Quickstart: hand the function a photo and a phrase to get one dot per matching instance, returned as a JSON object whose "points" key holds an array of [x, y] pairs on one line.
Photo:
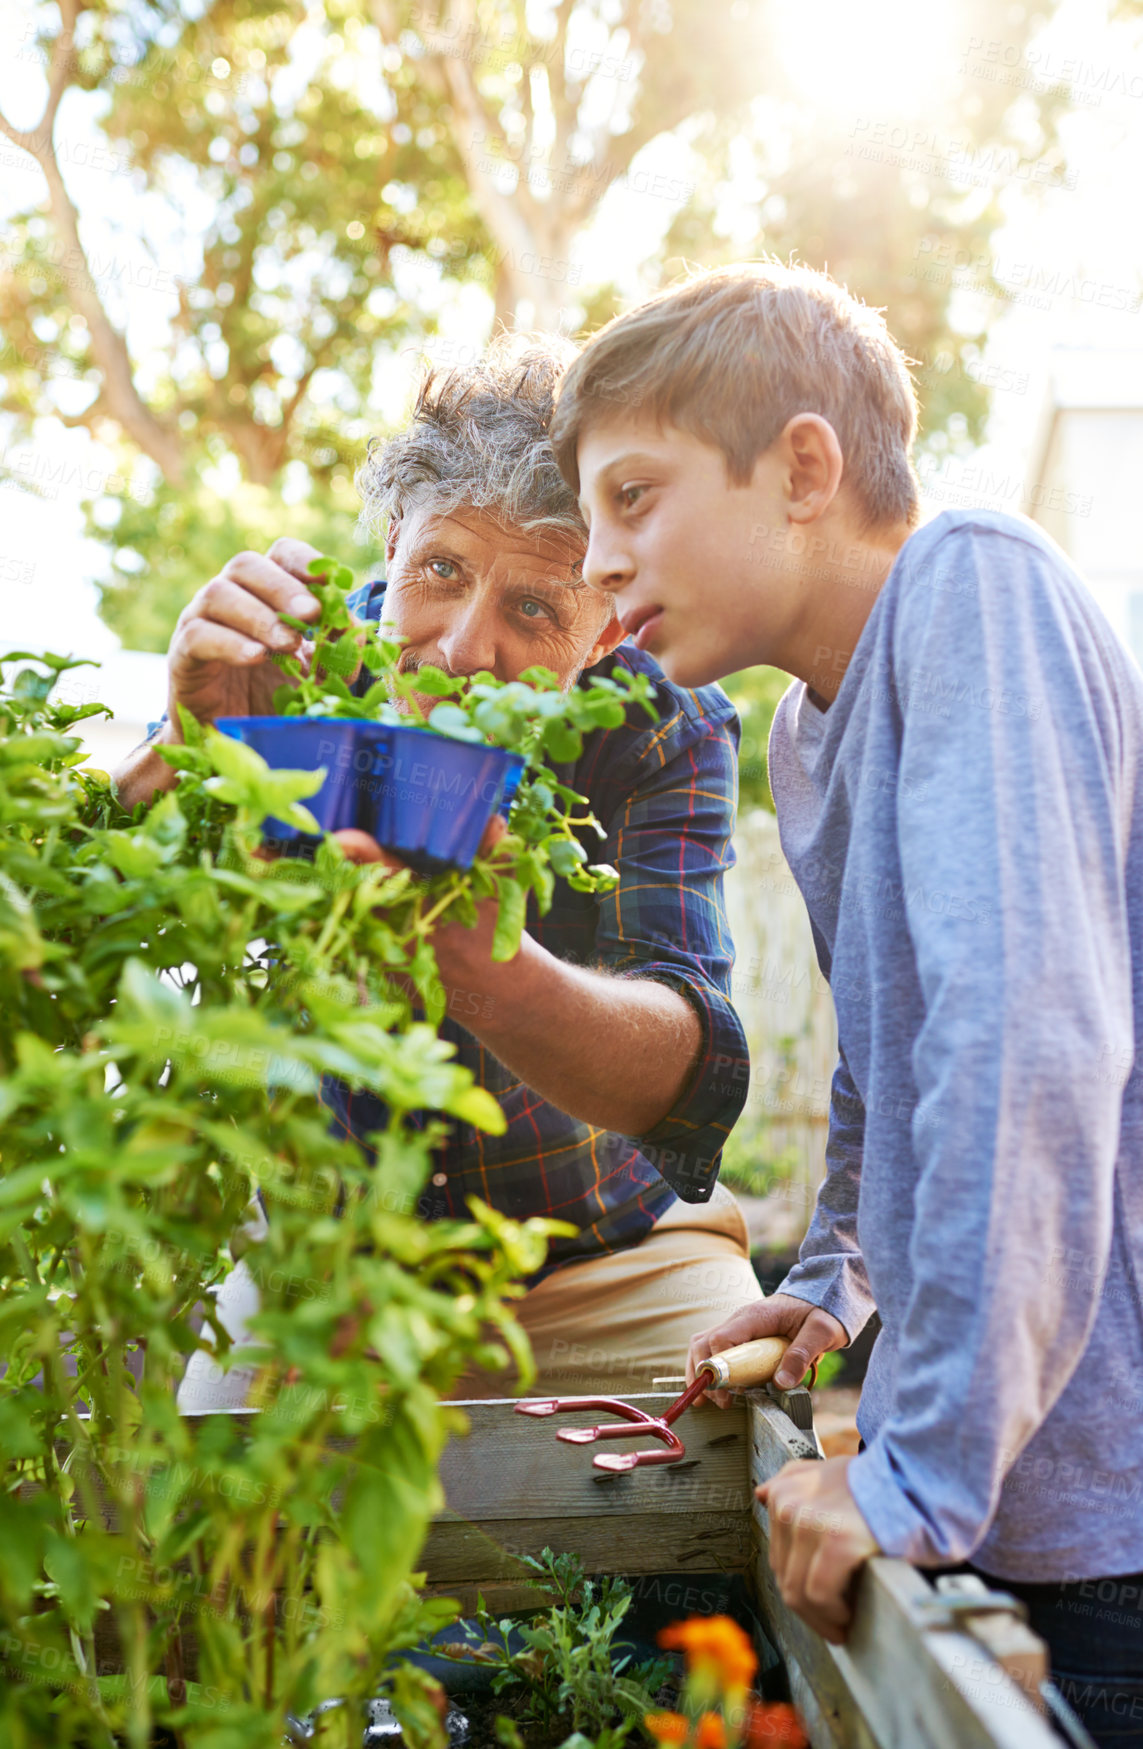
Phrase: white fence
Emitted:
{"points": [[778, 1148]]}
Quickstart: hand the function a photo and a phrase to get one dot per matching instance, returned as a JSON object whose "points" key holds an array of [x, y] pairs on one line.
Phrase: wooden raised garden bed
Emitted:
{"points": [[921, 1670]]}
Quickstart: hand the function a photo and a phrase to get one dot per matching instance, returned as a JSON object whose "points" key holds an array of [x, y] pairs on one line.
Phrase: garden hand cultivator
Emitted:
{"points": [[750, 1363]]}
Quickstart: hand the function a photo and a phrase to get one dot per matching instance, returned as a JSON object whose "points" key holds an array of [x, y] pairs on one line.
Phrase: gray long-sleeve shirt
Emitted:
{"points": [[966, 826]]}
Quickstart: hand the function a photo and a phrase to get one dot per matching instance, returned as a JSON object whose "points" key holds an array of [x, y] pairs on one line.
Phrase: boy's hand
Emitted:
{"points": [[219, 662], [811, 1332], [818, 1542]]}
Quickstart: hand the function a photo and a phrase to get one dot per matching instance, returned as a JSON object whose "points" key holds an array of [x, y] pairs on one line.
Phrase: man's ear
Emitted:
{"points": [[609, 638], [392, 535]]}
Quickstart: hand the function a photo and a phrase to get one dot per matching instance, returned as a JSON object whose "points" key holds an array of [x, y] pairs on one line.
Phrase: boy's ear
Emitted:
{"points": [[814, 463], [609, 639]]}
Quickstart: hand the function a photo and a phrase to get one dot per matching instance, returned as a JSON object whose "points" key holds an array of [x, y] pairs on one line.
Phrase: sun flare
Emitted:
{"points": [[883, 58]]}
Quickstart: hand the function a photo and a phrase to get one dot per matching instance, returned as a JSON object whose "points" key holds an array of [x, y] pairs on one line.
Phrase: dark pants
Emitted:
{"points": [[1094, 1632], [1093, 1629]]}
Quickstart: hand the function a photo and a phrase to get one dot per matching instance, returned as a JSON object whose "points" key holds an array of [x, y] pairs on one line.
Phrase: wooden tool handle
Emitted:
{"points": [[751, 1363]]}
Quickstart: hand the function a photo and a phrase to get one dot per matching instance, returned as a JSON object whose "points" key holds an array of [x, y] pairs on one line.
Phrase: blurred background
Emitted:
{"points": [[234, 231]]}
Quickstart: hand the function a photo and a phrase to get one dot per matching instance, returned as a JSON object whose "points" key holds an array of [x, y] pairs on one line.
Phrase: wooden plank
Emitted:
{"points": [[667, 1542], [901, 1681], [513, 1467]]}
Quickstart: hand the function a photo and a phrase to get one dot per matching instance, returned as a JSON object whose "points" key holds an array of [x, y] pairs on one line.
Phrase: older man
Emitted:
{"points": [[609, 1039]]}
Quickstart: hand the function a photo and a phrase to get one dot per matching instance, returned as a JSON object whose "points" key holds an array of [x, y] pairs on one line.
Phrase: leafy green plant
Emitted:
{"points": [[533, 716], [169, 1004], [571, 1676]]}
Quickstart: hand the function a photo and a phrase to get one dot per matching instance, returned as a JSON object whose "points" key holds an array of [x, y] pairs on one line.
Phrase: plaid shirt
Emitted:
{"points": [[665, 792]]}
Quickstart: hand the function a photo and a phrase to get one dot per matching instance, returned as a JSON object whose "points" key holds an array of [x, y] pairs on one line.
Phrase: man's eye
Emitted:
{"points": [[533, 609], [443, 568]]}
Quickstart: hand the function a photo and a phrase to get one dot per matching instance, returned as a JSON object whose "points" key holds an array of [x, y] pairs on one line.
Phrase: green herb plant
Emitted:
{"points": [[170, 1002], [571, 1679], [533, 716]]}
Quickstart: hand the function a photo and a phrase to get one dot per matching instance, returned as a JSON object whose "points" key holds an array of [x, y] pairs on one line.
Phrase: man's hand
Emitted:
{"points": [[464, 956], [818, 1542], [811, 1333], [219, 663]]}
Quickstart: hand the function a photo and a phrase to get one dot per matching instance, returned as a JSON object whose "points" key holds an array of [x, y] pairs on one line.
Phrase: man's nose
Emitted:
{"points": [[468, 643], [606, 565]]}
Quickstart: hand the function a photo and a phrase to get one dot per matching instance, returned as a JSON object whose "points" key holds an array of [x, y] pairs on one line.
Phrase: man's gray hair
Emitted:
{"points": [[478, 436]]}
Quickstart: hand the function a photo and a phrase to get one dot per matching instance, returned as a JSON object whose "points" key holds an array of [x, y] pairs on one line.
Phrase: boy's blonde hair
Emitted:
{"points": [[731, 355]]}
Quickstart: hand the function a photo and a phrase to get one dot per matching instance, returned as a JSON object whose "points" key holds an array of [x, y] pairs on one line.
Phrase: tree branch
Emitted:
{"points": [[61, 65], [119, 398], [510, 217]]}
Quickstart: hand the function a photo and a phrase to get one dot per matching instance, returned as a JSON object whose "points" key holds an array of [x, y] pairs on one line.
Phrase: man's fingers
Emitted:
{"points": [[272, 583], [201, 640], [495, 830], [226, 603], [293, 556], [361, 848]]}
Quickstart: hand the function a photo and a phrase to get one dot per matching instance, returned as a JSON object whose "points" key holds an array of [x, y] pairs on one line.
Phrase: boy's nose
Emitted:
{"points": [[605, 564]]}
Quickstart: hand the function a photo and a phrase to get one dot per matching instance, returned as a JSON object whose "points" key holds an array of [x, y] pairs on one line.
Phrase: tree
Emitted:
{"points": [[305, 192]]}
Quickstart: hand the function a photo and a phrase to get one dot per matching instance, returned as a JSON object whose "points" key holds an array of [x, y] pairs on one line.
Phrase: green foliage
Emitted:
{"points": [[169, 1002], [572, 1673], [828, 1368], [532, 715]]}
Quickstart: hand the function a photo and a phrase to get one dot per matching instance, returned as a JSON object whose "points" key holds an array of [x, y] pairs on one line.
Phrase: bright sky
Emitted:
{"points": [[1073, 255]]}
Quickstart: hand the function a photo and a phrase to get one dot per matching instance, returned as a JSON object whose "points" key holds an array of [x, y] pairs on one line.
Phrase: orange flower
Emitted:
{"points": [[774, 1725], [667, 1727], [715, 1647], [711, 1733]]}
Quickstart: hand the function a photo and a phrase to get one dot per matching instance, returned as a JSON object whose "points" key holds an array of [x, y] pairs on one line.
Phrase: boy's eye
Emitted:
{"points": [[629, 495]]}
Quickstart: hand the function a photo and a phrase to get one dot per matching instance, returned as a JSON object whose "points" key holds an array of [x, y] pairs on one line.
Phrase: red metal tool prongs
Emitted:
{"points": [[610, 1430], [557, 1405], [631, 1460], [634, 1420]]}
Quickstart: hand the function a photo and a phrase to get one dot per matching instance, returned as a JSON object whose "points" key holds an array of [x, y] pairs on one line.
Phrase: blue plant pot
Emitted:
{"points": [[425, 797], [431, 797], [347, 751]]}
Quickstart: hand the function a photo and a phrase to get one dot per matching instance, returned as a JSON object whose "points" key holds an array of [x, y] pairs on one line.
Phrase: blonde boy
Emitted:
{"points": [[958, 775]]}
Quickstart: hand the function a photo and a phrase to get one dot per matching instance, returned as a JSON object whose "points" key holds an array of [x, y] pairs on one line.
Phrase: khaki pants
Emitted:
{"points": [[607, 1324], [615, 1323]]}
